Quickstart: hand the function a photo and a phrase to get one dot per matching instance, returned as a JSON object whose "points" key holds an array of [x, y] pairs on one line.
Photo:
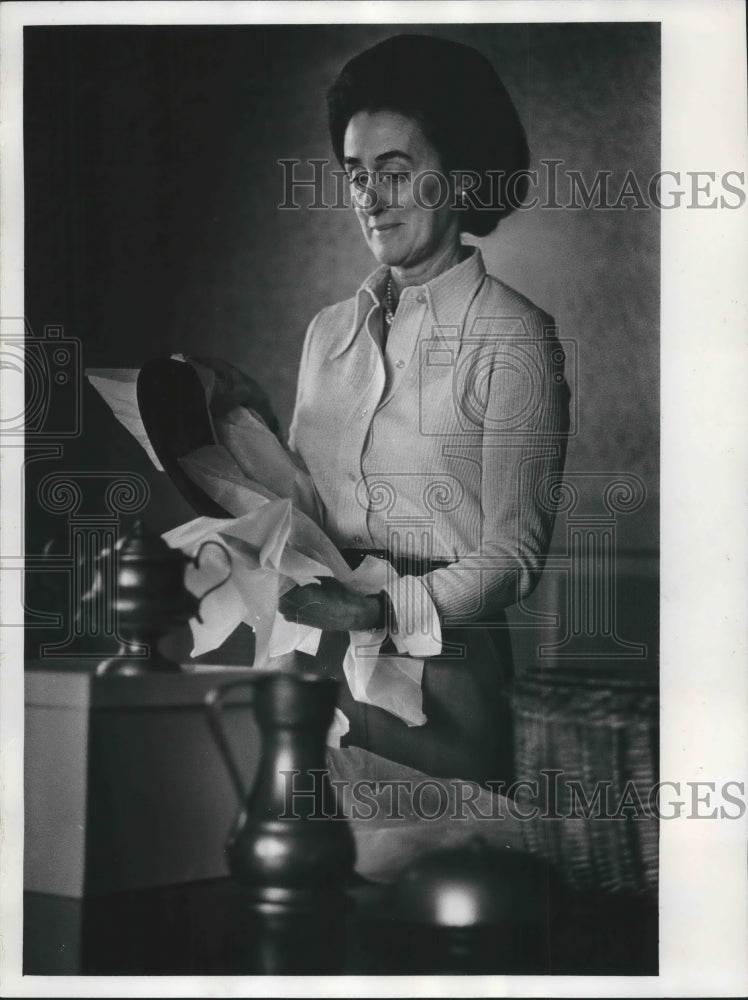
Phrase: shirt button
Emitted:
{"points": [[421, 298], [357, 538], [399, 364]]}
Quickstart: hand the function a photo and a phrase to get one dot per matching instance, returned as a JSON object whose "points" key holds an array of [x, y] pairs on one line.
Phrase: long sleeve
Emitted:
{"points": [[522, 451]]}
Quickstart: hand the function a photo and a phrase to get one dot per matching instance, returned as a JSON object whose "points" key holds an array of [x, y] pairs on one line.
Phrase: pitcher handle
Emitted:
{"points": [[213, 708], [210, 590]]}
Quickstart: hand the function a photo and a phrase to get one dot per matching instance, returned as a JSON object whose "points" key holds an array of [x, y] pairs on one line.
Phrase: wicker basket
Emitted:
{"points": [[599, 727]]}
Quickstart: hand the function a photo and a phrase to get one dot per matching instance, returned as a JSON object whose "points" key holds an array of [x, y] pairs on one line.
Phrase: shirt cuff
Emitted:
{"points": [[416, 629]]}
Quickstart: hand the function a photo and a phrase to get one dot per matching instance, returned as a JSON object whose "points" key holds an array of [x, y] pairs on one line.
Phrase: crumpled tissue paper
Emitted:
{"points": [[275, 543]]}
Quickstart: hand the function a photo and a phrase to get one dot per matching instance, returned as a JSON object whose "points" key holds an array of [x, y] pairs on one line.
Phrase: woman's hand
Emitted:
{"points": [[332, 606], [235, 388]]}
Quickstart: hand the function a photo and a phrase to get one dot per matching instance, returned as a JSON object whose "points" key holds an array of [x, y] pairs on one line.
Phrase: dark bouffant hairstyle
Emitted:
{"points": [[461, 105]]}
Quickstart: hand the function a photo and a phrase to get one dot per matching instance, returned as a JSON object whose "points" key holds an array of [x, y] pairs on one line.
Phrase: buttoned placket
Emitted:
{"points": [[366, 414], [415, 309], [401, 344], [403, 338]]}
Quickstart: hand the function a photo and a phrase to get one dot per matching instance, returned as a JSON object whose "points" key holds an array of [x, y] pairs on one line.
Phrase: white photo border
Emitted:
{"points": [[704, 385]]}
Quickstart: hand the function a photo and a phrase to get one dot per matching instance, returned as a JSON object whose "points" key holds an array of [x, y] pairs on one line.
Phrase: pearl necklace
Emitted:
{"points": [[389, 305]]}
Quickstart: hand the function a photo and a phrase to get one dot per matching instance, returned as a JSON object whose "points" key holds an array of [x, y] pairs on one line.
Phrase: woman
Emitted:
{"points": [[431, 409]]}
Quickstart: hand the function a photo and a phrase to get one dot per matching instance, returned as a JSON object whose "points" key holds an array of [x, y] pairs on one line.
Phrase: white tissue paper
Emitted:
{"points": [[391, 682], [118, 388], [263, 459], [275, 542]]}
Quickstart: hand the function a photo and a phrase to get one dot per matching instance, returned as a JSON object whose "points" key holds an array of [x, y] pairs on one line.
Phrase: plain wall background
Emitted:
{"points": [[152, 187]]}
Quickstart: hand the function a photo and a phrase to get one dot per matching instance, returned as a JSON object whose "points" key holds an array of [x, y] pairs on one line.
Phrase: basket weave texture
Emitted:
{"points": [[599, 728]]}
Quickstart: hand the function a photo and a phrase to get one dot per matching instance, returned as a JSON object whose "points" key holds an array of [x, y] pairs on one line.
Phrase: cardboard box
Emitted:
{"points": [[124, 786]]}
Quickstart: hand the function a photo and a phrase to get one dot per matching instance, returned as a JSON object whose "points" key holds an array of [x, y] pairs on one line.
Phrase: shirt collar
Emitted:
{"points": [[448, 295]]}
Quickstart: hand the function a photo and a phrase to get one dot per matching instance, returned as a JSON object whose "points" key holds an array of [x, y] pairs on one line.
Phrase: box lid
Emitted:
{"points": [[69, 685]]}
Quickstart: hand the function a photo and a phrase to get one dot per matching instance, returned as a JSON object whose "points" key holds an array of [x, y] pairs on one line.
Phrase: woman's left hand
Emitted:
{"points": [[331, 606]]}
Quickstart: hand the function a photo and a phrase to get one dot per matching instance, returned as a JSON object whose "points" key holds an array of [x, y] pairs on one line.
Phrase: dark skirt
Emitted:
{"points": [[466, 700]]}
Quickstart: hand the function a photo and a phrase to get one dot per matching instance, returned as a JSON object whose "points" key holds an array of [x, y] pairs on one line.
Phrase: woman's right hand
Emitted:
{"points": [[235, 388]]}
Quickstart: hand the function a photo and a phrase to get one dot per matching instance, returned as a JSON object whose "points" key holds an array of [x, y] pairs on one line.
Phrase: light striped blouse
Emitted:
{"points": [[447, 445]]}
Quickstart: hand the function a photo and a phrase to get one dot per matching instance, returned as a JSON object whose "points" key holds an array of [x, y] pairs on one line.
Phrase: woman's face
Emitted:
{"points": [[395, 174]]}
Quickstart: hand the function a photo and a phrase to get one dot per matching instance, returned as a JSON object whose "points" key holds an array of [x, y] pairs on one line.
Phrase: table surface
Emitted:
{"points": [[213, 928]]}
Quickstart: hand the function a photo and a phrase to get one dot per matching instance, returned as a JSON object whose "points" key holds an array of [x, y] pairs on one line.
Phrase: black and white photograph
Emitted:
{"points": [[373, 454]]}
